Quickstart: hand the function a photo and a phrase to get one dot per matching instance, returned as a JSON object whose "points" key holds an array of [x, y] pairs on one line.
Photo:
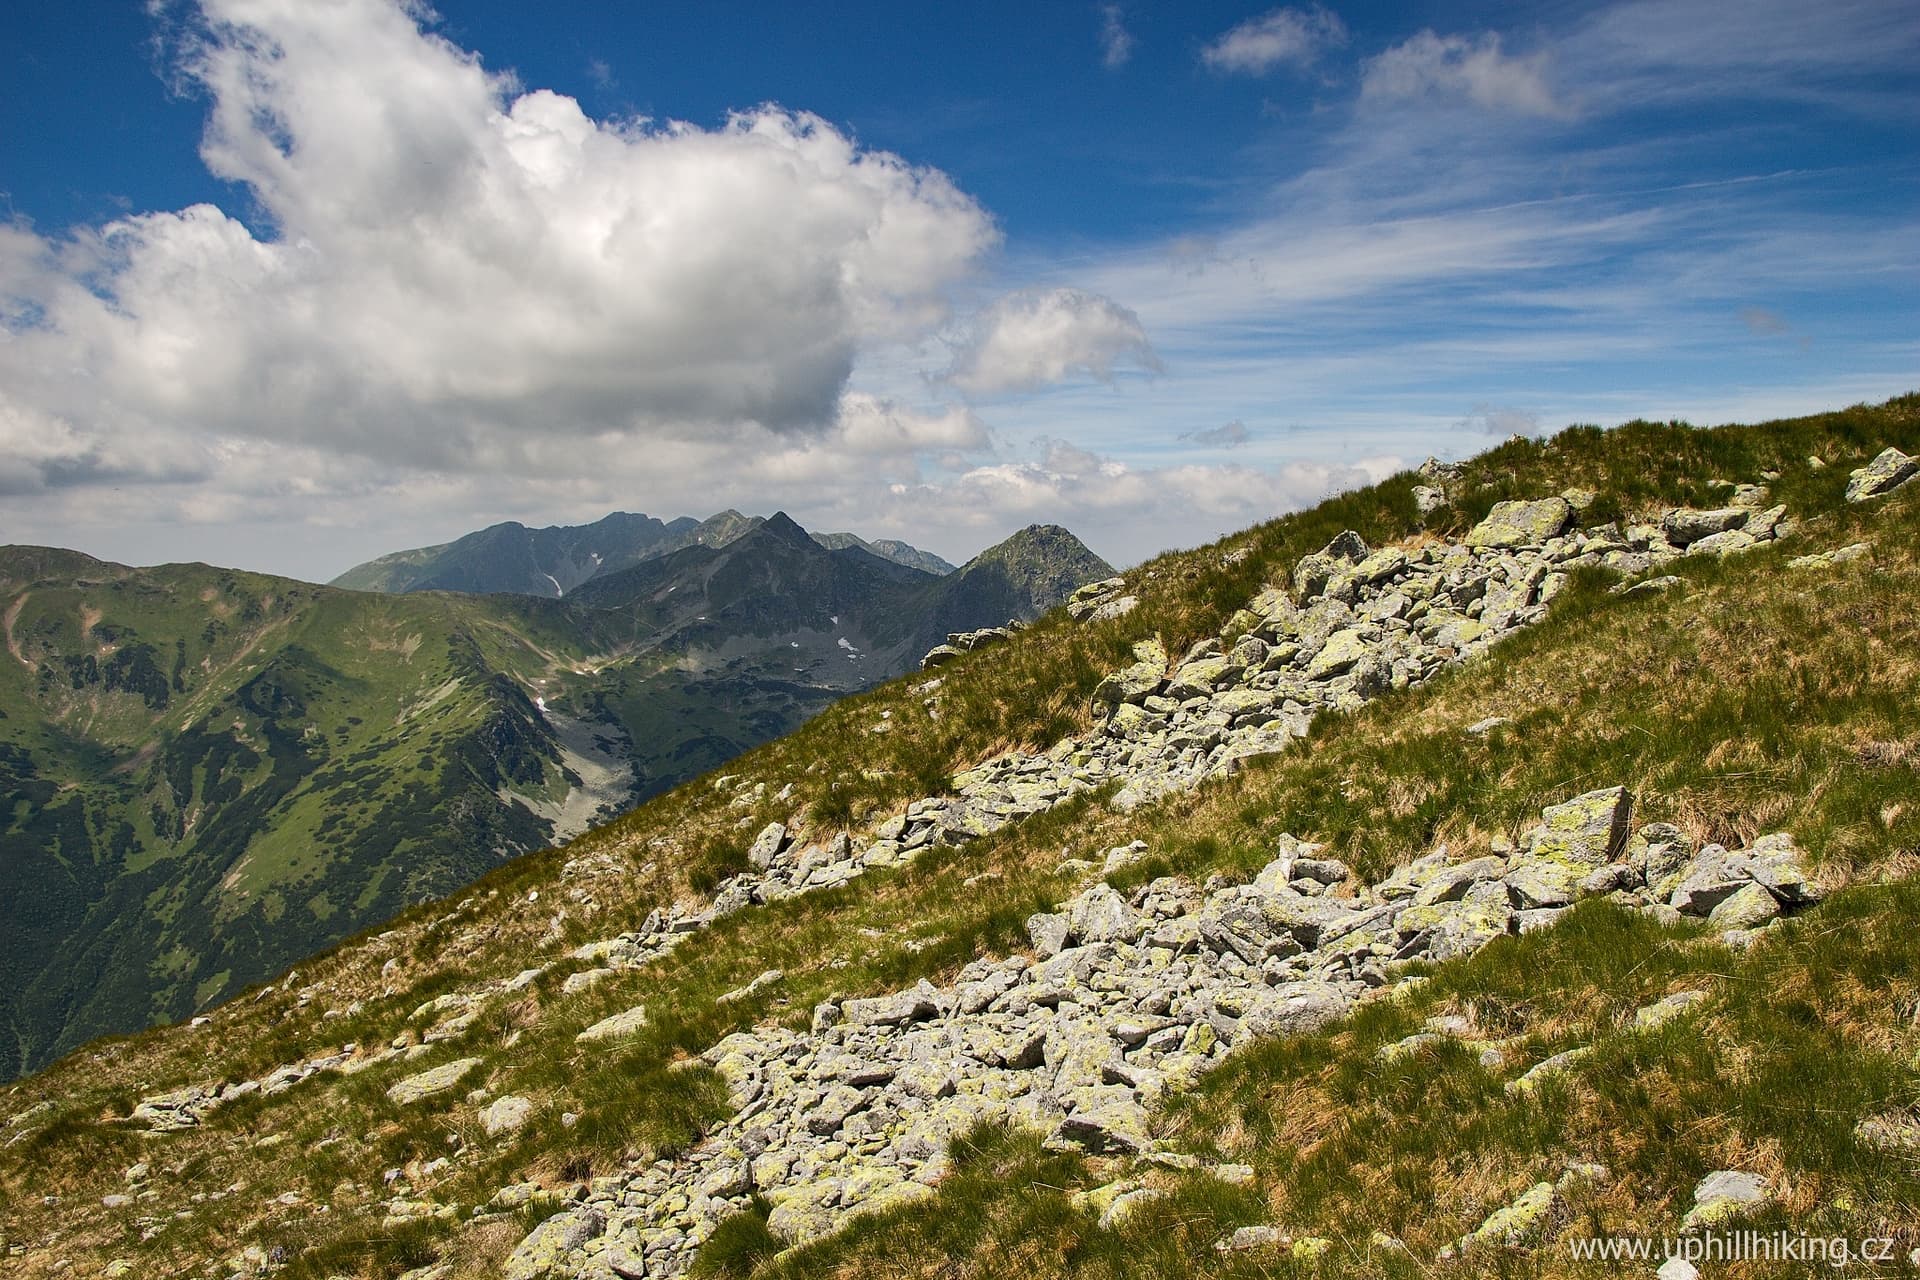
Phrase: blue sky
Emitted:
{"points": [[287, 283]]}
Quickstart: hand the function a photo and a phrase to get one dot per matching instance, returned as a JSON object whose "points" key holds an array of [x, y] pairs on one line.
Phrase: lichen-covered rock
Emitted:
{"points": [[1542, 1071], [1126, 1204], [1517, 1224], [1732, 542], [767, 845], [179, 1109], [1686, 526], [1522, 524], [1896, 1134], [1200, 677], [1101, 915], [617, 1026], [1247, 1239], [1723, 1196], [1111, 1126], [548, 1245], [506, 1115], [907, 1006], [585, 980], [1884, 474], [1131, 684], [1747, 907], [1827, 559], [1573, 841], [1048, 931], [1341, 651], [433, 1081], [1713, 876], [1314, 572], [1665, 1009], [939, 656], [1459, 927]]}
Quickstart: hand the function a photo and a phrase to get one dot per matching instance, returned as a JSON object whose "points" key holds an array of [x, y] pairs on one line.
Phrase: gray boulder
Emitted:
{"points": [[767, 845], [548, 1245], [1314, 572], [432, 1081], [1522, 524], [923, 1001], [1101, 915], [1687, 526], [1883, 475]]}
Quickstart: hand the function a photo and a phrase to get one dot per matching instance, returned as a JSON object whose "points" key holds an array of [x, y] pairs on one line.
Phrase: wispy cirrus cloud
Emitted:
{"points": [[1116, 42], [1230, 435]]}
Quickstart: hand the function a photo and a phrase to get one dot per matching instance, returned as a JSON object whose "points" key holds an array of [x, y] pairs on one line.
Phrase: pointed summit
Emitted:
{"points": [[782, 526]]}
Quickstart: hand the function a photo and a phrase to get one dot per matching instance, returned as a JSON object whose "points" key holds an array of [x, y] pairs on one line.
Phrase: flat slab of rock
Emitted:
{"points": [[1827, 559], [1686, 526], [432, 1081], [1665, 1009], [1722, 1196], [624, 1023]]}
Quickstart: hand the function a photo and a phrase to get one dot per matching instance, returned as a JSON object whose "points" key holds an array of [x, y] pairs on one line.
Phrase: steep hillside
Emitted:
{"points": [[212, 774], [1383, 894], [552, 561]]}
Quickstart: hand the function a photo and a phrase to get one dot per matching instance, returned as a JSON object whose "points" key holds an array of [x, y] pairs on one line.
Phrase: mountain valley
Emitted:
{"points": [[214, 773]]}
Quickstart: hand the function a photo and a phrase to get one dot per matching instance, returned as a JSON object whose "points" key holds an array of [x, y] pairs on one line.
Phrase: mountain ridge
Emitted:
{"points": [[553, 560]]}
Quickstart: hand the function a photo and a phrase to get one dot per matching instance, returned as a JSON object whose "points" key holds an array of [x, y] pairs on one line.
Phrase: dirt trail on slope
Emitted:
{"points": [[13, 614]]}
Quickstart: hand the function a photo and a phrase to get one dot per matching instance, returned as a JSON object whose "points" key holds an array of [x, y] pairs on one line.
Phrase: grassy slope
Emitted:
{"points": [[269, 769], [1751, 700]]}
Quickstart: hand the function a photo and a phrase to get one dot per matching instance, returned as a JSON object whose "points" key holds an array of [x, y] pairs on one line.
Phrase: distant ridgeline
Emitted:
{"points": [[209, 774], [559, 558]]}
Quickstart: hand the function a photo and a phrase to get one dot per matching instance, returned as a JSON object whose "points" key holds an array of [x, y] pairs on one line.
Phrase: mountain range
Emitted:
{"points": [[214, 773], [559, 558]]}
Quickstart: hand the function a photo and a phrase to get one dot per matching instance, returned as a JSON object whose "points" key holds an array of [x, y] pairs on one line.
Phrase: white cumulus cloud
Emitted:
{"points": [[457, 274], [1034, 337], [1295, 37], [1454, 66]]}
